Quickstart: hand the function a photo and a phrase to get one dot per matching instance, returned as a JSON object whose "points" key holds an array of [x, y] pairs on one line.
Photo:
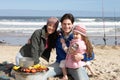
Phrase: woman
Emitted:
{"points": [[41, 42], [67, 21]]}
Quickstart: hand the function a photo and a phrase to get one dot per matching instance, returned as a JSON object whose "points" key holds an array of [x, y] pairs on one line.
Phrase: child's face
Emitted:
{"points": [[77, 35]]}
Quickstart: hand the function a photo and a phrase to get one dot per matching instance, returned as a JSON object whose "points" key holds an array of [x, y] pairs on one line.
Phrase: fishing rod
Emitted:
{"points": [[115, 28], [104, 38], [115, 37]]}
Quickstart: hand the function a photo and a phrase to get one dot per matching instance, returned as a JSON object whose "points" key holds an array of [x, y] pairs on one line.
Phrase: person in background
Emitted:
{"points": [[67, 21], [41, 42]]}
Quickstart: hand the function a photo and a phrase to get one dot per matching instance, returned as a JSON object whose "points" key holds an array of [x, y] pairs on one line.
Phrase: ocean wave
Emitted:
{"points": [[43, 23], [29, 27], [22, 23], [86, 19], [30, 30], [99, 23]]}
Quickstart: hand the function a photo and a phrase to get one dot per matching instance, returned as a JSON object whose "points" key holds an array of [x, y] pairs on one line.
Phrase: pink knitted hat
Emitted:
{"points": [[53, 20], [80, 29]]}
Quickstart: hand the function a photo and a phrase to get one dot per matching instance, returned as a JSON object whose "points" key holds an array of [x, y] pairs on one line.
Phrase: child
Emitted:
{"points": [[78, 45]]}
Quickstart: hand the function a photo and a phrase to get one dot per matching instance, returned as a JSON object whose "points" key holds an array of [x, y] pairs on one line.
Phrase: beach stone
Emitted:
{"points": [[116, 70]]}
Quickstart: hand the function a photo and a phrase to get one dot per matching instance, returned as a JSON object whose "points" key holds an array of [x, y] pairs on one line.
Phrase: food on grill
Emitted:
{"points": [[31, 69]]}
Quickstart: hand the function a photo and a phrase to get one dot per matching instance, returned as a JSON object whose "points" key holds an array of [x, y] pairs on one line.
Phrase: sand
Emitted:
{"points": [[106, 63]]}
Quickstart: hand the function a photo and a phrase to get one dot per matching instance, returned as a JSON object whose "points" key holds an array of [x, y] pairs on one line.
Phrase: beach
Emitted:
{"points": [[105, 65]]}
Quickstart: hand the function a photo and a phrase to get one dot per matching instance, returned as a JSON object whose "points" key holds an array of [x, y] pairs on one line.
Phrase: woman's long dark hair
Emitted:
{"points": [[52, 40], [52, 37]]}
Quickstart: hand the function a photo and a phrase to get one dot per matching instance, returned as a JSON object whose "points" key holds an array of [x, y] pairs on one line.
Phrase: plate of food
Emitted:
{"points": [[31, 69]]}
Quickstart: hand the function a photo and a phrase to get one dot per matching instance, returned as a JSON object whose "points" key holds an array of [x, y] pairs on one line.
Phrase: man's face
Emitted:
{"points": [[67, 26]]}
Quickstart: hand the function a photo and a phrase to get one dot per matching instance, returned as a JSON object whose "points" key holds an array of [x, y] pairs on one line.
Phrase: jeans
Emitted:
{"points": [[77, 74], [54, 70]]}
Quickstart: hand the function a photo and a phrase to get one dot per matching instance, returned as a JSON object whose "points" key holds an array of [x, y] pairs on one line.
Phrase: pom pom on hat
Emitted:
{"points": [[80, 29]]}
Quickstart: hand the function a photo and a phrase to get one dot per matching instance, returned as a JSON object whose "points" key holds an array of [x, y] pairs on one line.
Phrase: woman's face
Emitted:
{"points": [[51, 28], [67, 26]]}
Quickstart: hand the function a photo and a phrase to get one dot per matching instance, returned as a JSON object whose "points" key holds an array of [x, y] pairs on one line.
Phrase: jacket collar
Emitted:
{"points": [[43, 32], [68, 37]]}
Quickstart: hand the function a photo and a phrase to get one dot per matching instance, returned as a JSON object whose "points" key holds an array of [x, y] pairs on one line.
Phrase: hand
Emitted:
{"points": [[62, 40], [71, 50], [77, 57]]}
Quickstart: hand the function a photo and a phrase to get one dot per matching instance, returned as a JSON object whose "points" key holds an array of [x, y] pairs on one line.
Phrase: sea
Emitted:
{"points": [[17, 30]]}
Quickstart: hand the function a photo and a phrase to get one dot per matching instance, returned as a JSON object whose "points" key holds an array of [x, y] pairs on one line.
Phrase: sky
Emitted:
{"points": [[59, 7]]}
